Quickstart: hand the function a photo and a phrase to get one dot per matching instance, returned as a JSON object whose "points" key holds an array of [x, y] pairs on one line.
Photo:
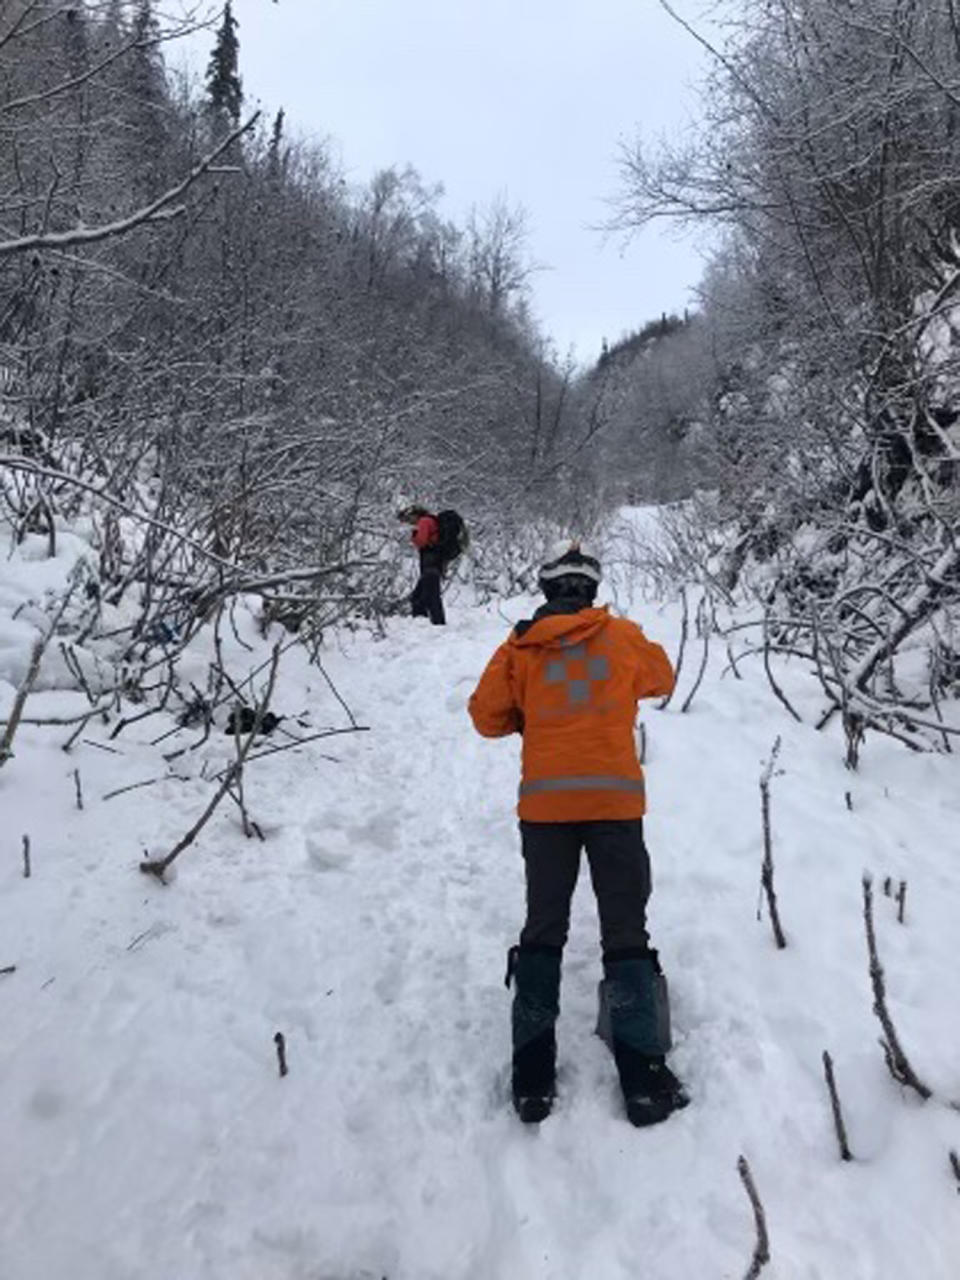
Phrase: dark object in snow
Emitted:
{"points": [[901, 900], [955, 1166], [243, 719], [839, 1126], [10, 968], [196, 711], [162, 632], [27, 868], [281, 1044]]}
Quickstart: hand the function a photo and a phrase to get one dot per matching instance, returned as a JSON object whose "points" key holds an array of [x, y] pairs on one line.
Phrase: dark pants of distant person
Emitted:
{"points": [[425, 600], [619, 869]]}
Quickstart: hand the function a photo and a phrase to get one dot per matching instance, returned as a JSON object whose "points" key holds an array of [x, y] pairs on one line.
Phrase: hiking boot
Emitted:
{"points": [[651, 1092]]}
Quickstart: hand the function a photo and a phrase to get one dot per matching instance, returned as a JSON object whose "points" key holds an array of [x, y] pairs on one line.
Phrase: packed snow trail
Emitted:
{"points": [[147, 1134]]}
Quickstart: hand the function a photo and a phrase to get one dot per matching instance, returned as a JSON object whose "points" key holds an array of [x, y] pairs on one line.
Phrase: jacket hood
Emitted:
{"points": [[558, 630]]}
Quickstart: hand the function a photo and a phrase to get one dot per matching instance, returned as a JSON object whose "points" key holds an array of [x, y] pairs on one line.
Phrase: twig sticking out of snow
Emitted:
{"points": [[9, 968], [839, 1126], [684, 629], [733, 662], [36, 656], [705, 626], [761, 1252], [897, 1062], [78, 788], [955, 1166], [26, 858], [281, 1044], [854, 728], [901, 900], [778, 692], [766, 875]]}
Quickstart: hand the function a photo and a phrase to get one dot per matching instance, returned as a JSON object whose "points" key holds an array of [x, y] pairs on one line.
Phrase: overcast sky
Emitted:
{"points": [[525, 98]]}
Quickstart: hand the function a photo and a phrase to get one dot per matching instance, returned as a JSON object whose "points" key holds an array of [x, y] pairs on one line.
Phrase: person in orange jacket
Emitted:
{"points": [[569, 681], [425, 599]]}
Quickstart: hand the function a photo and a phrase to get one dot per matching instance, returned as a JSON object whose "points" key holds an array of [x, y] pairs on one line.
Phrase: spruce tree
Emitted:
{"points": [[224, 89], [275, 158]]}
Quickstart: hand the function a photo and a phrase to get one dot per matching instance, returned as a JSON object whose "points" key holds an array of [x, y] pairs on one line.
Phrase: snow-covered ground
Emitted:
{"points": [[145, 1133]]}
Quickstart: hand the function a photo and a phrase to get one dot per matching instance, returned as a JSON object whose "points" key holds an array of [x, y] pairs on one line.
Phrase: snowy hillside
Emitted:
{"points": [[147, 1133]]}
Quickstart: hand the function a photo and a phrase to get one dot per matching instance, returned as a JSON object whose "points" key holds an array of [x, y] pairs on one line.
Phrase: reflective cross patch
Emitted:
{"points": [[578, 672]]}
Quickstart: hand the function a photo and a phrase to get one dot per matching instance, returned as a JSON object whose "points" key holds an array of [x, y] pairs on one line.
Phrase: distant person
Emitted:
{"points": [[439, 539], [569, 680]]}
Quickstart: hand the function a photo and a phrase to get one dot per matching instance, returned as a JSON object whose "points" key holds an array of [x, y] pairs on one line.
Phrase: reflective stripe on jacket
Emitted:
{"points": [[570, 684]]}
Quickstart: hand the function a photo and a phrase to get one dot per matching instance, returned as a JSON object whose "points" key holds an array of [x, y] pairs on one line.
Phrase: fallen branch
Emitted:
{"points": [[917, 609], [761, 1252], [148, 782], [101, 746], [897, 1062], [158, 866]]}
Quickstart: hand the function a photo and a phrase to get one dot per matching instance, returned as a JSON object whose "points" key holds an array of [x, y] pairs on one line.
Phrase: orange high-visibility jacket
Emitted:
{"points": [[570, 684]]}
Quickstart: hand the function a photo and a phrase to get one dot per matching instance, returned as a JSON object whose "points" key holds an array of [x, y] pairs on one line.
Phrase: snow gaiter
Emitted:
{"points": [[535, 971], [634, 1004], [634, 1020]]}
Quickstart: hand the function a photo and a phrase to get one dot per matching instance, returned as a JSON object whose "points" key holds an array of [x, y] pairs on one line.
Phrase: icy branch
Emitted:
{"points": [[157, 211]]}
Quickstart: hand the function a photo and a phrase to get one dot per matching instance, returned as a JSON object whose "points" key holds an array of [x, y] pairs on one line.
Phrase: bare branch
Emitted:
{"points": [[761, 1252], [839, 1126], [156, 211], [897, 1062]]}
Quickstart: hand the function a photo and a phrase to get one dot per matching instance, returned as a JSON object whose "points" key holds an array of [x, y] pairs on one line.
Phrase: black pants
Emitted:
{"points": [[619, 869], [425, 600]]}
